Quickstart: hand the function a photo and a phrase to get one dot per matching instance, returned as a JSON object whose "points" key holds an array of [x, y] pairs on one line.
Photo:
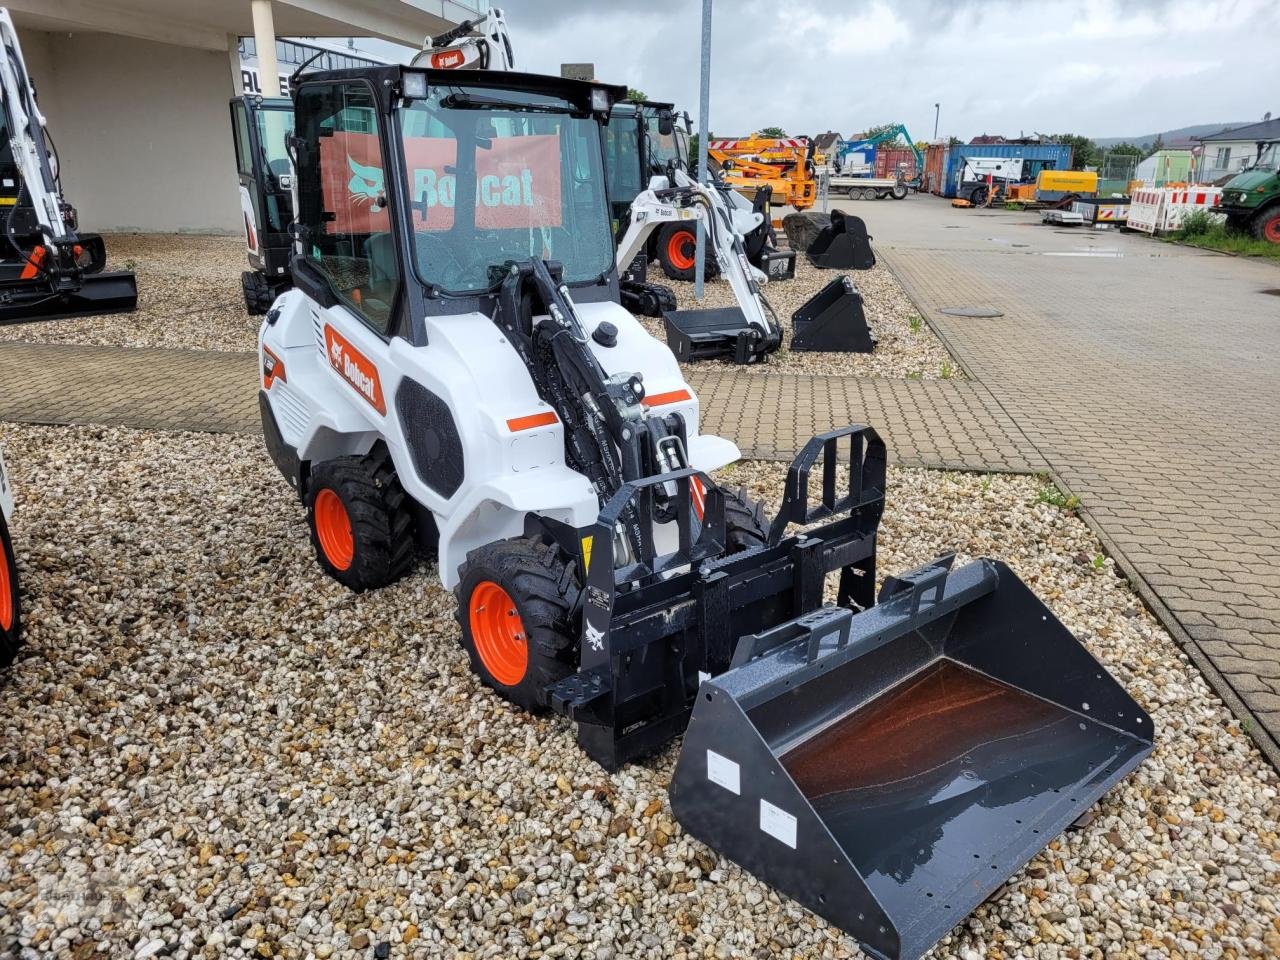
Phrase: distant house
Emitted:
{"points": [[825, 142], [1226, 153], [988, 138]]}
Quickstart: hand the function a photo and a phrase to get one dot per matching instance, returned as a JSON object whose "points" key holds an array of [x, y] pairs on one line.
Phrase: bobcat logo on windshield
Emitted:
{"points": [[365, 185], [355, 368]]}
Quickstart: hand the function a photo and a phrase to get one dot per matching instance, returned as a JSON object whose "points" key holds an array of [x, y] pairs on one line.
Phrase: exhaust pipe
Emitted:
{"points": [[889, 769]]}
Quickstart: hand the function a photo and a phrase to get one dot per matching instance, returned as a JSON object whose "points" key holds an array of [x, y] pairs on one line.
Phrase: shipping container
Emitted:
{"points": [[935, 168], [888, 159], [1034, 156]]}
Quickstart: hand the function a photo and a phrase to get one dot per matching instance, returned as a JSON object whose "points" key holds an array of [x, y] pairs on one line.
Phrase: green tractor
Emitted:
{"points": [[1251, 199]]}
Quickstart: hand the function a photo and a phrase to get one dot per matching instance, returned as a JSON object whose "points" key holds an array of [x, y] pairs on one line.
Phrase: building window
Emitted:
{"points": [[1224, 158]]}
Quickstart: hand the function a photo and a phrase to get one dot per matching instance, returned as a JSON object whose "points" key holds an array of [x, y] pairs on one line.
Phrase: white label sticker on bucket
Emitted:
{"points": [[724, 771], [778, 823]]}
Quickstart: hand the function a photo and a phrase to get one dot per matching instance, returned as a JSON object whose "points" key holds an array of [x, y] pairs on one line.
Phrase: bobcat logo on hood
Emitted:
{"points": [[365, 185]]}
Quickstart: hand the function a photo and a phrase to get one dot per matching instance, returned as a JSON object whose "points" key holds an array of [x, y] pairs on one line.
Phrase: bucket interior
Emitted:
{"points": [[933, 786]]}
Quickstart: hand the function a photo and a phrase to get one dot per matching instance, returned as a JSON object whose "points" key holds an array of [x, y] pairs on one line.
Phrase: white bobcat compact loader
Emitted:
{"points": [[453, 374]]}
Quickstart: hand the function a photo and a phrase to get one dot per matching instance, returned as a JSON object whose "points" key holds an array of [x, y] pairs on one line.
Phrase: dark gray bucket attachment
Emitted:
{"points": [[890, 769], [777, 264], [843, 245], [713, 333], [833, 321], [26, 301]]}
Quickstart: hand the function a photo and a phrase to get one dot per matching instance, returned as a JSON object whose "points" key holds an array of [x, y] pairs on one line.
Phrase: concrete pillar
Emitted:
{"points": [[233, 53], [264, 34]]}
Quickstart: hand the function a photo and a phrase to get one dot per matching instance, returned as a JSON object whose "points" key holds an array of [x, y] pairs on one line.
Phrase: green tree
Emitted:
{"points": [[634, 94], [773, 132], [1084, 152], [1126, 148]]}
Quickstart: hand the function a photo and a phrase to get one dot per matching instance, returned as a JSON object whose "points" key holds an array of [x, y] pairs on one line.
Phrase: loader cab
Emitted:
{"points": [[261, 127], [641, 141], [416, 188]]}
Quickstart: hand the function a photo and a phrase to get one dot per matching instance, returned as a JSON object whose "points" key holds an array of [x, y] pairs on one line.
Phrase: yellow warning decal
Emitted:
{"points": [[586, 554]]}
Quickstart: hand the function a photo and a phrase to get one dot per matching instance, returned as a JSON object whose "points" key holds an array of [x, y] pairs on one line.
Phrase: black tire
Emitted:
{"points": [[10, 609], [744, 525], [378, 517], [544, 590], [978, 196], [675, 249], [1237, 224], [899, 191], [1266, 224]]}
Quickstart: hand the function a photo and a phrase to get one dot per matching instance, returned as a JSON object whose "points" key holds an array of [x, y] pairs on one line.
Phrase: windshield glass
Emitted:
{"points": [[275, 126], [663, 148], [622, 155], [492, 178], [1269, 159]]}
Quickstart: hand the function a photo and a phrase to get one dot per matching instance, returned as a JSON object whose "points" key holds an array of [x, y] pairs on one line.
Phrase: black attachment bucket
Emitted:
{"points": [[890, 769], [843, 245], [25, 301], [833, 321], [713, 333], [776, 264]]}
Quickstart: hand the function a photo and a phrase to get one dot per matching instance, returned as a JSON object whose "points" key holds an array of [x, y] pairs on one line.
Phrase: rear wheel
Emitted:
{"points": [[899, 191], [361, 524], [10, 613], [1266, 225], [978, 197], [677, 252], [515, 607]]}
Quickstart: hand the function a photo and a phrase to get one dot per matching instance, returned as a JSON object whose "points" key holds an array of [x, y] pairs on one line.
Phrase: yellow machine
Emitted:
{"points": [[1055, 185], [785, 165]]}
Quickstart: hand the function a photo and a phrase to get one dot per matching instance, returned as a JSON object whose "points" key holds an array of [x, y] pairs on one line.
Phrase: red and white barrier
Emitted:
{"points": [[1161, 209]]}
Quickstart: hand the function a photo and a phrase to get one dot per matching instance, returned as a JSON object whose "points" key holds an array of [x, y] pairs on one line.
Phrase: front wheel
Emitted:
{"points": [[1266, 225], [744, 525], [10, 613], [899, 191], [515, 607]]}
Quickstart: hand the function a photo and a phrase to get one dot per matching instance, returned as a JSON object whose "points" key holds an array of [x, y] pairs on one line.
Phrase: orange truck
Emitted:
{"points": [[785, 165]]}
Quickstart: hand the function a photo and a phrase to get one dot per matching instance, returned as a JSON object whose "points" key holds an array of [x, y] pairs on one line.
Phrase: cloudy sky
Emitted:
{"points": [[1097, 67]]}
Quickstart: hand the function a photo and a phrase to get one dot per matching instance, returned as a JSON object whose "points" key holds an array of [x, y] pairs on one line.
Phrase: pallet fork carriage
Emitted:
{"points": [[461, 379]]}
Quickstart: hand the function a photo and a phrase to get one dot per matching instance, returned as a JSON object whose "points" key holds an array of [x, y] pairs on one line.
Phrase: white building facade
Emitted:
{"points": [[136, 93], [1227, 153]]}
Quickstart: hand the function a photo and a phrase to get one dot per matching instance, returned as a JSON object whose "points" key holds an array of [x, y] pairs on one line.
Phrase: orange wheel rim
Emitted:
{"points": [[1272, 230], [681, 248], [498, 633], [333, 528], [6, 593]]}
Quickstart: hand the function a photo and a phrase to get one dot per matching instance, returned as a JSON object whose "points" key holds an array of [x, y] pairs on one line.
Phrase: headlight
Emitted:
{"points": [[415, 86]]}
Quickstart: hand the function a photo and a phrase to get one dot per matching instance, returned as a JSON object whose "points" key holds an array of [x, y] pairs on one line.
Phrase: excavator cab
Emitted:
{"points": [[261, 127]]}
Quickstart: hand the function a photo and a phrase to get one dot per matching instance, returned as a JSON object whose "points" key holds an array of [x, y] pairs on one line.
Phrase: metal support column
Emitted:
{"points": [[264, 36], [704, 105]]}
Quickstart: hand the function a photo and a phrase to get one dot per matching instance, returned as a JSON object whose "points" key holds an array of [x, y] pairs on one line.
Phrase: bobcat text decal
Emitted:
{"points": [[354, 367], [517, 183]]}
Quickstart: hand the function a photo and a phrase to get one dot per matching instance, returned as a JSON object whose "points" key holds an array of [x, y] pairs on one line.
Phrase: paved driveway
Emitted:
{"points": [[1148, 376]]}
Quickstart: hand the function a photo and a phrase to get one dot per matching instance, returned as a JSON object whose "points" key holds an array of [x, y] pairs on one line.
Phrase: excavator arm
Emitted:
{"points": [[47, 269], [479, 44]]}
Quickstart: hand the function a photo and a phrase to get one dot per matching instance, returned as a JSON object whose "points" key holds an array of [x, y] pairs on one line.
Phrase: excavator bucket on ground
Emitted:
{"points": [[833, 321], [890, 768], [51, 282], [842, 245]]}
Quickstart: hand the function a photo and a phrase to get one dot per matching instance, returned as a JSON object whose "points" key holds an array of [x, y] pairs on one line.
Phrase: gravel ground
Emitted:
{"points": [[906, 345], [188, 297], [212, 750]]}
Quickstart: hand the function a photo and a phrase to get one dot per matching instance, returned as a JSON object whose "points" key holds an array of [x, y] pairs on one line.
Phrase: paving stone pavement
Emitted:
{"points": [[949, 424], [1146, 375]]}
